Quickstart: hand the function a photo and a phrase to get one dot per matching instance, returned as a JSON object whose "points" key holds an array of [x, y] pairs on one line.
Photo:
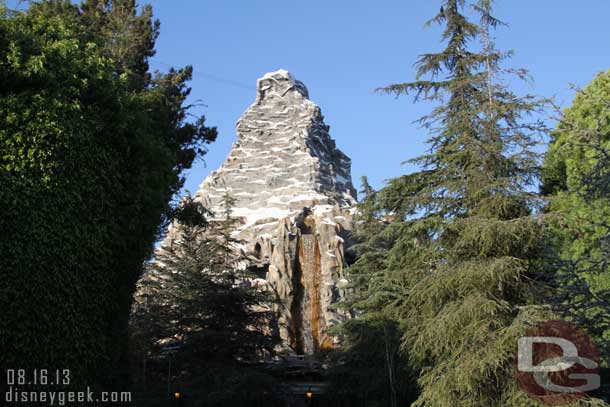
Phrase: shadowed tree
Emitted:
{"points": [[193, 295], [89, 160]]}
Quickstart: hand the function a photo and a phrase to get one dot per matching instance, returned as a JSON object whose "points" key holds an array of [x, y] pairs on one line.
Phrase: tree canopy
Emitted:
{"points": [[575, 180], [92, 147], [194, 297], [458, 258]]}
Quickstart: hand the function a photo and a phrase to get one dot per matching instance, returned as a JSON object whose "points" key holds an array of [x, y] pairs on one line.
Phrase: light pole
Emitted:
{"points": [[169, 378], [169, 351]]}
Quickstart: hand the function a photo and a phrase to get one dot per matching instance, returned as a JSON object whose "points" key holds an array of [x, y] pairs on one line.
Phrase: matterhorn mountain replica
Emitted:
{"points": [[294, 200]]}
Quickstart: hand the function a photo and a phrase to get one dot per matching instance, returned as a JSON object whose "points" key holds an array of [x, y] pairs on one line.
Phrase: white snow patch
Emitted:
{"points": [[307, 196], [280, 72], [253, 215], [320, 210], [342, 283], [328, 221], [277, 200], [238, 246], [259, 282]]}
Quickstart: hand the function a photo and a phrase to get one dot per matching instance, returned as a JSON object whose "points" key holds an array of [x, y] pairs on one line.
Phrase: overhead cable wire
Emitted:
{"points": [[209, 76]]}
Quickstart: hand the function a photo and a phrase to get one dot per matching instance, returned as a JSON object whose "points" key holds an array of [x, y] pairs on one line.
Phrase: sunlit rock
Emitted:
{"points": [[294, 199]]}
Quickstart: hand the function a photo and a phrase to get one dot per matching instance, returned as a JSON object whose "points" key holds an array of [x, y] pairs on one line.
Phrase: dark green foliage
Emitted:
{"points": [[575, 178], [233, 386], [88, 164], [458, 254], [193, 295], [370, 250], [128, 37], [370, 370], [463, 240]]}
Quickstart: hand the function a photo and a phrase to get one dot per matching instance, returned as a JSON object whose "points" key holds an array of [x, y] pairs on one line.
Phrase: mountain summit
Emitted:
{"points": [[294, 199], [284, 158]]}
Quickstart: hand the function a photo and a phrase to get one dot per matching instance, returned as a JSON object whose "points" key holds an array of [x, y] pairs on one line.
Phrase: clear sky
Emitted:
{"points": [[343, 49]]}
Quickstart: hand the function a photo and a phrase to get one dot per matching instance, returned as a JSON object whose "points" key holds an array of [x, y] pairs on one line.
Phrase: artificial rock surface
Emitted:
{"points": [[294, 199]]}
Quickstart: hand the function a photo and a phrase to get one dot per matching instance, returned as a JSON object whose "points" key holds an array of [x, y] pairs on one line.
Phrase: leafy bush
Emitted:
{"points": [[89, 159]]}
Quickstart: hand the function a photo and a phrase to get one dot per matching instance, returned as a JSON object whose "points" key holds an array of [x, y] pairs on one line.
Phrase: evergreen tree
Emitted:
{"points": [[369, 359], [575, 178], [464, 269], [209, 304], [369, 249], [193, 296], [370, 369], [127, 35]]}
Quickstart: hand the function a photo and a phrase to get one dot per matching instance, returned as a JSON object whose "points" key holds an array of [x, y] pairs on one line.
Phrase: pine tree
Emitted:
{"points": [[375, 334], [127, 35], [369, 369], [369, 250], [193, 294], [467, 238]]}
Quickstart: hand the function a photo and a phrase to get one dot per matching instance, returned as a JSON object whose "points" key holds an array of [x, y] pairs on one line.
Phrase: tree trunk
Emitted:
{"points": [[390, 365]]}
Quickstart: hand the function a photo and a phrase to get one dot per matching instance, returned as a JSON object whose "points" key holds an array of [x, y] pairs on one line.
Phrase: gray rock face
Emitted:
{"points": [[284, 158], [294, 198]]}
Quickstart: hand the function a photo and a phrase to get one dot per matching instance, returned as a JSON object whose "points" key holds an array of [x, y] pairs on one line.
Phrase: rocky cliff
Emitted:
{"points": [[294, 199]]}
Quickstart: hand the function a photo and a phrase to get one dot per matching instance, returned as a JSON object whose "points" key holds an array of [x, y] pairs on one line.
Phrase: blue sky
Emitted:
{"points": [[343, 49]]}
